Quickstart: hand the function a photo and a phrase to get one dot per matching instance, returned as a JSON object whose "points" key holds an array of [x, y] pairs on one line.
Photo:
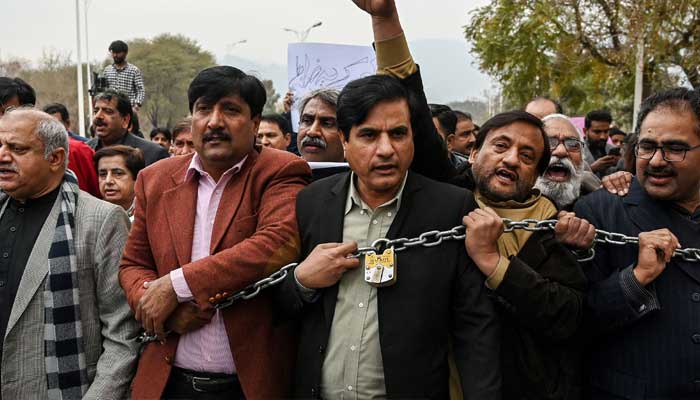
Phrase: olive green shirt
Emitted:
{"points": [[353, 367]]}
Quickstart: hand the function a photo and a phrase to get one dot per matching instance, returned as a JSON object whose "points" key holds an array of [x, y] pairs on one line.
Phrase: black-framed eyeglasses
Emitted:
{"points": [[669, 152], [571, 144]]}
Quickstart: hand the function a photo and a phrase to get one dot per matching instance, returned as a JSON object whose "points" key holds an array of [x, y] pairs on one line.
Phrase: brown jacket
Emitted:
{"points": [[255, 233]]}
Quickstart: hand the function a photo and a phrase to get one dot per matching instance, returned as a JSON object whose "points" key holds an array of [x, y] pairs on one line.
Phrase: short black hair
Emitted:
{"points": [[510, 117], [616, 131], [8, 89], [133, 158], [461, 115], [213, 83], [119, 46], [11, 87], [445, 116], [59, 108], [598, 115], [557, 104], [26, 93], [358, 98], [278, 120], [164, 131], [678, 99], [123, 102], [181, 127]]}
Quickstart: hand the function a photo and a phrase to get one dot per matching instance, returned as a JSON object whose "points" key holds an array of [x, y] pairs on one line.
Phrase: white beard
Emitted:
{"points": [[562, 193]]}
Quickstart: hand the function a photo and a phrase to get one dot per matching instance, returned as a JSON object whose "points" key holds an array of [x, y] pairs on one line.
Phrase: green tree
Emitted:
{"points": [[272, 97], [584, 51], [168, 63]]}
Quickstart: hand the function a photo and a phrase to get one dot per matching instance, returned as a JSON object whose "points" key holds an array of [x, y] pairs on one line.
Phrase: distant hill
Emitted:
{"points": [[446, 65]]}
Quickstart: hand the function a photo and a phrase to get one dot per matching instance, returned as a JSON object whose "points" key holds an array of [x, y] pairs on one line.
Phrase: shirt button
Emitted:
{"points": [[362, 212], [352, 348], [374, 222], [361, 305], [12, 229], [696, 338], [168, 360], [5, 255], [21, 209], [388, 214], [350, 388], [695, 297]]}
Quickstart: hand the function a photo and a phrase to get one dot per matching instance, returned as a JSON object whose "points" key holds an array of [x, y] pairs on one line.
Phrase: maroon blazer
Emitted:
{"points": [[254, 234]]}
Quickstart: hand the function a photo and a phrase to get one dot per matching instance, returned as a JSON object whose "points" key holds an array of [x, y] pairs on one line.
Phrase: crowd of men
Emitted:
{"points": [[106, 239]]}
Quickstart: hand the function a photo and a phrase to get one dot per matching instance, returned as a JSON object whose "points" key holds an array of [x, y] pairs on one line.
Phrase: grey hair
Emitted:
{"points": [[565, 118], [53, 135], [50, 131], [328, 96]]}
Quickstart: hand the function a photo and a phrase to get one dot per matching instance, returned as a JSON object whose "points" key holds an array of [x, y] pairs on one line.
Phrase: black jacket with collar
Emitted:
{"points": [[439, 295], [646, 342], [152, 152]]}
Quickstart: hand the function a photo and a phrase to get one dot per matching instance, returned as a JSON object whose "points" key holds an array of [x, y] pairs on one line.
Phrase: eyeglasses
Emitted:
{"points": [[669, 152], [571, 144]]}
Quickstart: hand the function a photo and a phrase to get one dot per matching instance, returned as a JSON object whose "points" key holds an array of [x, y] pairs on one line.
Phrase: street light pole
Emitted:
{"points": [[81, 103], [87, 58], [231, 46], [302, 35]]}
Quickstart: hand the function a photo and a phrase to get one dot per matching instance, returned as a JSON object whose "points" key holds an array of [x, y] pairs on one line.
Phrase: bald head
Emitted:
{"points": [[33, 153], [542, 107], [560, 122]]}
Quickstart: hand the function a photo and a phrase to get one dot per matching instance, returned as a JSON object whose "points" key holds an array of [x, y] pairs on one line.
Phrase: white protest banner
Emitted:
{"points": [[312, 66]]}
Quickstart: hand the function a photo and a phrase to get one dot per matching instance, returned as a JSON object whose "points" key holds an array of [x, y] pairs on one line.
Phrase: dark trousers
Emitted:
{"points": [[186, 384]]}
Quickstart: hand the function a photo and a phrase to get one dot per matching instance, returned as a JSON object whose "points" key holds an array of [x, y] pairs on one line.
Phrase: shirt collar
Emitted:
{"points": [[120, 69], [355, 199], [196, 167]]}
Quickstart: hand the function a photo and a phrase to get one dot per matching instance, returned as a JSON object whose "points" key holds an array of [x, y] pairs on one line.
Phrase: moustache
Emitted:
{"points": [[218, 134], [8, 168], [663, 171], [313, 141]]}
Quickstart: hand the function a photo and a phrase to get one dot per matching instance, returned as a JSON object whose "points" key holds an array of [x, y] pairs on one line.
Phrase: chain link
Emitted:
{"points": [[435, 238]]}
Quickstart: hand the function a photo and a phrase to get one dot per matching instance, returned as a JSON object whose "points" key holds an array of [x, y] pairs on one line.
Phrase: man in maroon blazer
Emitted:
{"points": [[207, 225]]}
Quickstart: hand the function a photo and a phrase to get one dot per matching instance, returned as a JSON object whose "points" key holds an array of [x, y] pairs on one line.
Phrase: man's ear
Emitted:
{"points": [[473, 154], [57, 159], [256, 123], [126, 122], [450, 141]]}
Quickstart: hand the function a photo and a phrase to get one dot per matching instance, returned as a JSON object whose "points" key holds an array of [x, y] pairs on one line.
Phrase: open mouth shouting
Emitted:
{"points": [[506, 176], [558, 172]]}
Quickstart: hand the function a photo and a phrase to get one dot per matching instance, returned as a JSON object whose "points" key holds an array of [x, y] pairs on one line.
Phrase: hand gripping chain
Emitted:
{"points": [[435, 238]]}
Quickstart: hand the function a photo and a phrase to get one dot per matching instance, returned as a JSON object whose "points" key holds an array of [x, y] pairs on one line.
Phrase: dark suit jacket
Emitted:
{"points": [[152, 152], [254, 234], [540, 302], [646, 342], [439, 295]]}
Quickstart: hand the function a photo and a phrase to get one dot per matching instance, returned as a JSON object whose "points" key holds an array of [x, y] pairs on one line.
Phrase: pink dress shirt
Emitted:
{"points": [[206, 349]]}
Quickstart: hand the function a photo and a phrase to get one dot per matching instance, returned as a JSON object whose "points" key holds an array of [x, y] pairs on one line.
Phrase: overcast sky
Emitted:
{"points": [[32, 26]]}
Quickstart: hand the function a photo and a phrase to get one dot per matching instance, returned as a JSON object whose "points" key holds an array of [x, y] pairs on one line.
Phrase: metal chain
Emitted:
{"points": [[432, 239]]}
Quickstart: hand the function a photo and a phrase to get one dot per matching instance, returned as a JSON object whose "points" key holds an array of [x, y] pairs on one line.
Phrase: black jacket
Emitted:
{"points": [[540, 302], [152, 152], [439, 295], [645, 341]]}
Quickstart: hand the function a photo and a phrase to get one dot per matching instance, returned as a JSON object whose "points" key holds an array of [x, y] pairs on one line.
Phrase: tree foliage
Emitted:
{"points": [[168, 63], [584, 51], [272, 97]]}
